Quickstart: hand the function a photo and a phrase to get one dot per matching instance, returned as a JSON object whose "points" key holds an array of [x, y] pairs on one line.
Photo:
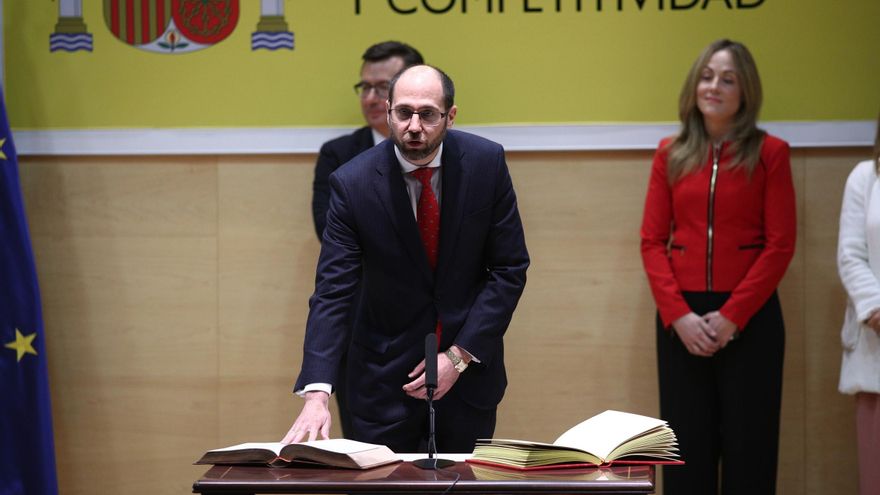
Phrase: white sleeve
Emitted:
{"points": [[858, 279]]}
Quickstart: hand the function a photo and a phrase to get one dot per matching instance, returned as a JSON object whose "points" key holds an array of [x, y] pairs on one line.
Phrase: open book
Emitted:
{"points": [[610, 437], [592, 473], [337, 452]]}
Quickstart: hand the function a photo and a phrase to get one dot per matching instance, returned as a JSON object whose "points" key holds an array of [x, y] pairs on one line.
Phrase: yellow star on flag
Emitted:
{"points": [[22, 344], [2, 155]]}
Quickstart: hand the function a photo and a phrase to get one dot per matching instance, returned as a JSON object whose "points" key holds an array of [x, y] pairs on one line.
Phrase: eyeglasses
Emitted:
{"points": [[429, 117], [363, 89]]}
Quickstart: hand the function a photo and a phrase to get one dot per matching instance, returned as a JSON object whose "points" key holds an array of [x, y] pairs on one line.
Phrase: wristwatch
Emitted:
{"points": [[457, 362]]}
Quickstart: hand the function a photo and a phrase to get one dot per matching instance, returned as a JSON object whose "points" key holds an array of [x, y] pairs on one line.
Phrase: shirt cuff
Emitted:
{"points": [[465, 351], [315, 387]]}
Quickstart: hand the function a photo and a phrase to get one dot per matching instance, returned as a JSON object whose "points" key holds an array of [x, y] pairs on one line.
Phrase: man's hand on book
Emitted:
{"points": [[314, 418]]}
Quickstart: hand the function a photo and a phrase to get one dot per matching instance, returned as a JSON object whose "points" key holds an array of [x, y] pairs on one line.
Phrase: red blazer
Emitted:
{"points": [[752, 237]]}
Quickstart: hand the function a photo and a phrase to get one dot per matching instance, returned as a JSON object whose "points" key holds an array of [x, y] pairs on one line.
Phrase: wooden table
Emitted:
{"points": [[404, 478]]}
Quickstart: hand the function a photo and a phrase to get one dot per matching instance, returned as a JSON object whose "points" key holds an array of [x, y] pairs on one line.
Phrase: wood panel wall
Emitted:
{"points": [[175, 294]]}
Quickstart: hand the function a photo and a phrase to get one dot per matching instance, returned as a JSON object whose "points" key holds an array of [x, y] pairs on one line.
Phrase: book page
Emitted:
{"points": [[270, 446], [528, 454], [340, 445], [524, 443], [602, 433], [340, 453]]}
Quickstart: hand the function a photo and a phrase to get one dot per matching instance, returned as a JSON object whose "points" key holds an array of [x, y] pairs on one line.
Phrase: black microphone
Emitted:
{"points": [[430, 384], [431, 361]]}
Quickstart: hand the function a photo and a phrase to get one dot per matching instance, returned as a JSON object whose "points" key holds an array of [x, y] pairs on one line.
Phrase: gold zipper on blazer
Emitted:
{"points": [[716, 151]]}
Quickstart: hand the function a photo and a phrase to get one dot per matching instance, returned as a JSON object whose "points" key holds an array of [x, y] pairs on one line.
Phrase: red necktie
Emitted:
{"points": [[428, 218], [428, 215]]}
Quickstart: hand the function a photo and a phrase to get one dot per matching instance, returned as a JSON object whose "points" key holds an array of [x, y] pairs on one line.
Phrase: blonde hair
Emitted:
{"points": [[689, 149]]}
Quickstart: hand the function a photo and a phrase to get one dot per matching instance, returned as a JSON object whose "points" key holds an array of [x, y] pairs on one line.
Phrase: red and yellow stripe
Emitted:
{"points": [[137, 22]]}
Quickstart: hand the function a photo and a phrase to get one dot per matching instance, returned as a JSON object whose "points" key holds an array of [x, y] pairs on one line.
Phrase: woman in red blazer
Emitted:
{"points": [[718, 233]]}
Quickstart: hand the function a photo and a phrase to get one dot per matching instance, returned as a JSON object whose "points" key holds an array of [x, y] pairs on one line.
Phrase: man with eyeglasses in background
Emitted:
{"points": [[380, 63], [424, 230]]}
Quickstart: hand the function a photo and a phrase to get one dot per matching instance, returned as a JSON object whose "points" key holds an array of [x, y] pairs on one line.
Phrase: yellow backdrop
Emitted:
{"points": [[514, 61]]}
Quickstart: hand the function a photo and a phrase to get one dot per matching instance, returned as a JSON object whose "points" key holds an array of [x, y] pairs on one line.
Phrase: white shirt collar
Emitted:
{"points": [[377, 137], [408, 167]]}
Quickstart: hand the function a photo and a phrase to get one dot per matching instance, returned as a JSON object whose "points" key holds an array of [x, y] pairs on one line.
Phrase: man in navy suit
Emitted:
{"points": [[373, 248], [380, 63]]}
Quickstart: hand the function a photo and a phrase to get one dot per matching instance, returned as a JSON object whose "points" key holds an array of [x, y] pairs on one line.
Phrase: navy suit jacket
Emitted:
{"points": [[372, 243], [333, 154]]}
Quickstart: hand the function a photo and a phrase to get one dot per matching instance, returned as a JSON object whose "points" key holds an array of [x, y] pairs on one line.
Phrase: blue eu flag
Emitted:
{"points": [[27, 452]]}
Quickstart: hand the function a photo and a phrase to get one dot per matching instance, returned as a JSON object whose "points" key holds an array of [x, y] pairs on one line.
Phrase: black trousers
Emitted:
{"points": [[457, 424], [724, 408]]}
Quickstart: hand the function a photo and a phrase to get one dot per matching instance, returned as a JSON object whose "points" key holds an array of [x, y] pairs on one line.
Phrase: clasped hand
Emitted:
{"points": [[446, 378], [704, 335]]}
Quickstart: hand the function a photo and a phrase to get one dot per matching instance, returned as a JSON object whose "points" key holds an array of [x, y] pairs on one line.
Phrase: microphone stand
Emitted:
{"points": [[432, 462]]}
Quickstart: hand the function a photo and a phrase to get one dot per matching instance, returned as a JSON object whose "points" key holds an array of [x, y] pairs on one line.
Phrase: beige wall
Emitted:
{"points": [[175, 293]]}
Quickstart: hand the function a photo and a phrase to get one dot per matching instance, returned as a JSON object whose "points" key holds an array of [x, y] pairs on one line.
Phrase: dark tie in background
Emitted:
{"points": [[428, 218]]}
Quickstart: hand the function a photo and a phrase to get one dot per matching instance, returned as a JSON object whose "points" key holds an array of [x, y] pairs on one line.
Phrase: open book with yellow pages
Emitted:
{"points": [[591, 473], [612, 437], [337, 452]]}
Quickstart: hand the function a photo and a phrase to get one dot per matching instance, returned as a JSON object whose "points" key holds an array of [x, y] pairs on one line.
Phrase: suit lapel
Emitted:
{"points": [[452, 204], [364, 140], [391, 190]]}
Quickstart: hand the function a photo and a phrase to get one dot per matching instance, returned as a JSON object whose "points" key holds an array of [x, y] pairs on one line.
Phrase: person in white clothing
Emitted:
{"points": [[858, 262]]}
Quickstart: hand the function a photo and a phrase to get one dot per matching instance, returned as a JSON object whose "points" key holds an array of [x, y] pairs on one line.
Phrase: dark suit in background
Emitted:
{"points": [[332, 155], [372, 249]]}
